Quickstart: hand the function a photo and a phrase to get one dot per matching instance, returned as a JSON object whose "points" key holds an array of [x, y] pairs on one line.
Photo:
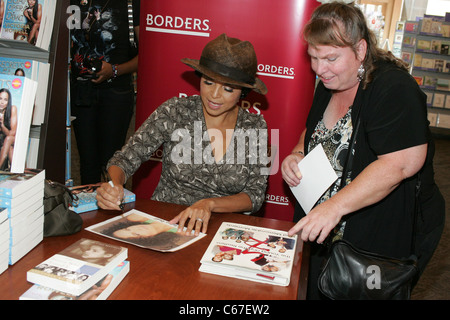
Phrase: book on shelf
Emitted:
{"points": [[429, 97], [438, 100], [424, 45], [78, 267], [145, 231], [100, 291], [86, 198], [29, 23], [417, 60], [250, 253], [411, 26], [17, 66], [443, 121], [428, 63], [18, 94], [447, 102]]}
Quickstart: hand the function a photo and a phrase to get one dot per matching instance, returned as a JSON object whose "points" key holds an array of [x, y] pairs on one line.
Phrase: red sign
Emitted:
{"points": [[176, 29]]}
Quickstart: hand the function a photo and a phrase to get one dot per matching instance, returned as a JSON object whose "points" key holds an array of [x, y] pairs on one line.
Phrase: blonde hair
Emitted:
{"points": [[344, 25]]}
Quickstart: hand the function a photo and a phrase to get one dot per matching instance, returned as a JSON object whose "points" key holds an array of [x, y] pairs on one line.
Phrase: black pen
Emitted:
{"points": [[121, 205]]}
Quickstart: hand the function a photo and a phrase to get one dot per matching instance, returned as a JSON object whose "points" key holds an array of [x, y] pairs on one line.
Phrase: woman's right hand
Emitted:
{"points": [[109, 197], [290, 171]]}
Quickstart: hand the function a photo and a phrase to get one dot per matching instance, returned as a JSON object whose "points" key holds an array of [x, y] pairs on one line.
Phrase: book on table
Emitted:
{"points": [[78, 267], [100, 291], [86, 200], [145, 231], [22, 196], [4, 240], [250, 253]]}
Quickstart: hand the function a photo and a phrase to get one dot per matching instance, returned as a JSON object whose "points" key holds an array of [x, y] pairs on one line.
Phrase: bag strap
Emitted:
{"points": [[131, 24]]}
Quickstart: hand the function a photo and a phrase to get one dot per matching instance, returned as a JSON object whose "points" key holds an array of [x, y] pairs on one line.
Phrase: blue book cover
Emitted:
{"points": [[87, 202]]}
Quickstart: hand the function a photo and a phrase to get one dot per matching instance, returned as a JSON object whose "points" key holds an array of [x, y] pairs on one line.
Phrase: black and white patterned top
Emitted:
{"points": [[189, 171], [335, 143]]}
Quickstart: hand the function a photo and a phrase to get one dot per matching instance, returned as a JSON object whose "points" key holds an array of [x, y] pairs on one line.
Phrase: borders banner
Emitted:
{"points": [[176, 29]]}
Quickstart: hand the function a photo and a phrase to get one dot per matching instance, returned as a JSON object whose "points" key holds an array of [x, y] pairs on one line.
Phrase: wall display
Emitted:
{"points": [[425, 46], [172, 30]]}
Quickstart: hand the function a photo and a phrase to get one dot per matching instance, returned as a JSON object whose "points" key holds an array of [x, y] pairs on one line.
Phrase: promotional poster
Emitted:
{"points": [[177, 29]]}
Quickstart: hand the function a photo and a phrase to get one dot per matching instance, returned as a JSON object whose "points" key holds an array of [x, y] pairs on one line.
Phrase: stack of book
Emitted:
{"points": [[4, 240], [22, 196], [86, 270]]}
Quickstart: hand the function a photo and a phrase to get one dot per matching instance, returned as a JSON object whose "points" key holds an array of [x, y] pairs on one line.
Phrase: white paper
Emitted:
{"points": [[317, 177]]}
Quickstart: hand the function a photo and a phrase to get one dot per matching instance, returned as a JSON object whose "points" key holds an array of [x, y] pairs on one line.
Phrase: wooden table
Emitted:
{"points": [[167, 276]]}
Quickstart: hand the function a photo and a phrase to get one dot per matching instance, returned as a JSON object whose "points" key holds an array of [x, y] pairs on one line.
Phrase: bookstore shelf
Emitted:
{"points": [[426, 47], [51, 133]]}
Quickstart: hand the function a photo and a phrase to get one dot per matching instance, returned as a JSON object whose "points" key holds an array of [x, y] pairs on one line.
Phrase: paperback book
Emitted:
{"points": [[100, 291], [146, 231], [86, 198], [28, 21], [17, 96], [18, 67], [78, 267], [4, 240], [250, 253], [15, 184]]}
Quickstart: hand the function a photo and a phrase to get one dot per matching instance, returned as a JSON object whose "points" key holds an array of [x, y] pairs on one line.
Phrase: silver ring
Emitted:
{"points": [[198, 219]]}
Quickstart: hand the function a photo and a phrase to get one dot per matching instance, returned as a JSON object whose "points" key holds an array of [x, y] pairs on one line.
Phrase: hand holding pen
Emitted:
{"points": [[110, 196]]}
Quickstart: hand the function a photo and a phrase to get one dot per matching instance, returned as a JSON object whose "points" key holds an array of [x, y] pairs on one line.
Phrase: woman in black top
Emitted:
{"points": [[375, 211]]}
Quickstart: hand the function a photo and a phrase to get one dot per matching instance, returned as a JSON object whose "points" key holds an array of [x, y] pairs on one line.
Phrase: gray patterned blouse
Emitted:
{"points": [[189, 171]]}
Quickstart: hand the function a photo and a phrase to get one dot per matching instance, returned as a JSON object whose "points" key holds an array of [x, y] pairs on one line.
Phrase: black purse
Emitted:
{"points": [[350, 273], [59, 220]]}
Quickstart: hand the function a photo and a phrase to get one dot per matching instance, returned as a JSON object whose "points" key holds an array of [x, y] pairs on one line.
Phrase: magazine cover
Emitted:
{"points": [[146, 231], [251, 253], [18, 67], [22, 20], [78, 267]]}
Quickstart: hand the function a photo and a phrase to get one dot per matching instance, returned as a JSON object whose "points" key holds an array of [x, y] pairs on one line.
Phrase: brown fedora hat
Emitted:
{"points": [[231, 61]]}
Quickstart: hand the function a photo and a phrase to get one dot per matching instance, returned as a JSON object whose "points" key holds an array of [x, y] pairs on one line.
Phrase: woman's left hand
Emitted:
{"points": [[198, 215]]}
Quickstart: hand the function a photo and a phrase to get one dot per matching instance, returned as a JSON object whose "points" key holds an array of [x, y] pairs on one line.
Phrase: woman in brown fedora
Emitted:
{"points": [[212, 174]]}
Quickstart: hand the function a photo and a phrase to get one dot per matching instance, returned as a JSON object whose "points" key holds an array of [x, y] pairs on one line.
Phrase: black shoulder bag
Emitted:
{"points": [[59, 220], [353, 274]]}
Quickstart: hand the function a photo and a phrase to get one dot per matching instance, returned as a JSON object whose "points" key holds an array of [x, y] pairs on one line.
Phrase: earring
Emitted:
{"points": [[361, 72]]}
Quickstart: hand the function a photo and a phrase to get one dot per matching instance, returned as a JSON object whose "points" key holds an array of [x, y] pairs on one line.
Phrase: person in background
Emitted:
{"points": [[394, 148], [202, 164], [102, 92]]}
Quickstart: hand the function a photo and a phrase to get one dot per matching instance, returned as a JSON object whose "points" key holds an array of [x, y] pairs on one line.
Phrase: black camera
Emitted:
{"points": [[85, 66]]}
